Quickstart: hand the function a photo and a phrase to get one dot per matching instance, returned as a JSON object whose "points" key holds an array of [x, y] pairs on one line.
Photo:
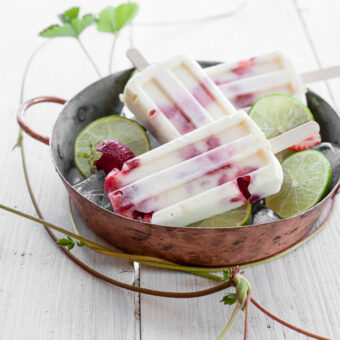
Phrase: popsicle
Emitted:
{"points": [[242, 83], [245, 81], [175, 97], [208, 171]]}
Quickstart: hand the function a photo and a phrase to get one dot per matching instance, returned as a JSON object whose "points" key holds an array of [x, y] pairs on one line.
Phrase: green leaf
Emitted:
{"points": [[226, 275], [125, 13], [112, 20], [80, 24], [69, 15], [73, 26], [58, 31], [106, 21], [229, 299], [66, 242]]}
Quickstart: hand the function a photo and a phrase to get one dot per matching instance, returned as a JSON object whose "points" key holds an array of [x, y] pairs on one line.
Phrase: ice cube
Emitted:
{"points": [[74, 176], [265, 215], [93, 189]]}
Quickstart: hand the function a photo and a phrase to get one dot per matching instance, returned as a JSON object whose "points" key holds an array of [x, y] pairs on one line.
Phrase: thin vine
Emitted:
{"points": [[234, 279]]}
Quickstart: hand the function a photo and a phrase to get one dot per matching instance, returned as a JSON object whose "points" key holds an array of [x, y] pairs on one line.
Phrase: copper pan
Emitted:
{"points": [[190, 246]]}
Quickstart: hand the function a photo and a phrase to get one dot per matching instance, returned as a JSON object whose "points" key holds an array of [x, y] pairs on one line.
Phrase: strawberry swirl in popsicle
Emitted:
{"points": [[174, 98], [208, 171], [245, 81]]}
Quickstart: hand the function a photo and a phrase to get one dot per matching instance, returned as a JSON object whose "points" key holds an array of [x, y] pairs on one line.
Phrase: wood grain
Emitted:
{"points": [[42, 294]]}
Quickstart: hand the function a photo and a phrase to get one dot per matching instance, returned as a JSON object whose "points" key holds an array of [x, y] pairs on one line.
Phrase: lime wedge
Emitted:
{"points": [[278, 113], [307, 179], [124, 130], [235, 217]]}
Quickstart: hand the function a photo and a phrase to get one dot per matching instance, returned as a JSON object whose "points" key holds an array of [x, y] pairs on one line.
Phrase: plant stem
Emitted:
{"points": [[29, 62], [73, 221], [89, 58], [246, 318], [276, 318], [202, 274], [225, 330], [23, 83], [113, 47], [105, 251], [175, 266], [97, 247], [47, 225]]}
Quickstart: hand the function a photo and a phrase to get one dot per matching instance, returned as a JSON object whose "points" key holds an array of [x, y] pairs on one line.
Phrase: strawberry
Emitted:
{"points": [[307, 143], [114, 154]]}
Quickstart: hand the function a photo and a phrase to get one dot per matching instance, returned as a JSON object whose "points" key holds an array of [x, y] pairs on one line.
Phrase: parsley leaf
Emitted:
{"points": [[66, 242], [229, 299], [73, 26], [112, 20]]}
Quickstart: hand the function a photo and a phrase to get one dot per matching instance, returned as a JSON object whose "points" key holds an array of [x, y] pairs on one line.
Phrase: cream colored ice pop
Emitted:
{"points": [[208, 171], [247, 80], [174, 98]]}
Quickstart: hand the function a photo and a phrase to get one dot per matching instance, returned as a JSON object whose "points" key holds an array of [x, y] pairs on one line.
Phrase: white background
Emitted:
{"points": [[45, 296]]}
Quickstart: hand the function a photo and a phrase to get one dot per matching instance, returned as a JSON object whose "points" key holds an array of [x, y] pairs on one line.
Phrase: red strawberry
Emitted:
{"points": [[114, 154], [307, 143]]}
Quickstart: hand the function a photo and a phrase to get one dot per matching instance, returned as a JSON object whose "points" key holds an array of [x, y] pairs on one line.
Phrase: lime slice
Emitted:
{"points": [[124, 130], [307, 179], [235, 217], [278, 113]]}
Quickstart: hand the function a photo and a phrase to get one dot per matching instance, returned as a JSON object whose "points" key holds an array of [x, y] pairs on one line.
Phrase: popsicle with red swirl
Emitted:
{"points": [[208, 171], [174, 98], [245, 81]]}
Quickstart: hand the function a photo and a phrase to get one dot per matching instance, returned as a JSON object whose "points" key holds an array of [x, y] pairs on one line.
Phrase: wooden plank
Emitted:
{"points": [[323, 38], [43, 295], [290, 287]]}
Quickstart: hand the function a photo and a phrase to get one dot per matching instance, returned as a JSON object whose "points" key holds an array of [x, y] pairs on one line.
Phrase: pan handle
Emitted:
{"points": [[23, 108]]}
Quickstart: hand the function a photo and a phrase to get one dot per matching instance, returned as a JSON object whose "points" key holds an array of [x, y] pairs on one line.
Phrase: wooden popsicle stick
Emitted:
{"points": [[319, 75], [294, 136], [141, 63], [137, 59]]}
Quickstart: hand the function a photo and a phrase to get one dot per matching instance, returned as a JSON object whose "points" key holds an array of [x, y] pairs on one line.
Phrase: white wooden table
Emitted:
{"points": [[43, 295]]}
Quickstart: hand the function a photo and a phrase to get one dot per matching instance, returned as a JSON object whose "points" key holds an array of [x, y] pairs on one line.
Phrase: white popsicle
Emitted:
{"points": [[210, 170], [245, 81], [174, 98]]}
